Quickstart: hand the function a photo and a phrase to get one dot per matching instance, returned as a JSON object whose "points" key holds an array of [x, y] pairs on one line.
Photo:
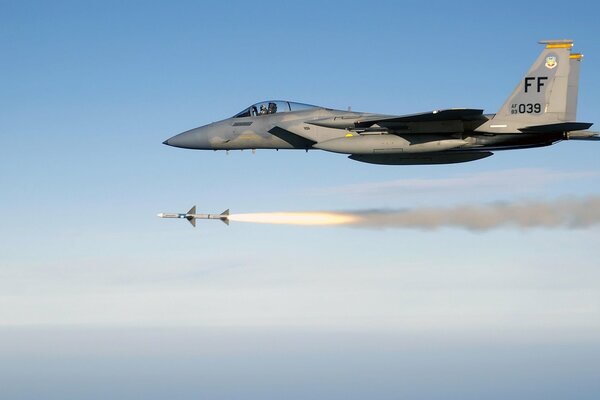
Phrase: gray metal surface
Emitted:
{"points": [[539, 112], [191, 216]]}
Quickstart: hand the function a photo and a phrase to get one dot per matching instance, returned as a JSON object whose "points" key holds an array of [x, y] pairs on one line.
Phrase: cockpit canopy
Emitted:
{"points": [[272, 107]]}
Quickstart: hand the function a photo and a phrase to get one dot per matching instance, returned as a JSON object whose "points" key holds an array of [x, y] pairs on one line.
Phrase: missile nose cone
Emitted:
{"points": [[166, 142]]}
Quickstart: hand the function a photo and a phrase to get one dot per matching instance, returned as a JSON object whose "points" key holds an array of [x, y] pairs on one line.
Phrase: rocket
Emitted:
{"points": [[192, 216]]}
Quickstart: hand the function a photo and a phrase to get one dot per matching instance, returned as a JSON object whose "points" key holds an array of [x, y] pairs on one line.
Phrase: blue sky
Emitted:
{"points": [[89, 90]]}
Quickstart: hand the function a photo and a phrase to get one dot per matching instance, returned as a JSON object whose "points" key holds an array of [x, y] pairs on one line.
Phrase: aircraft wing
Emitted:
{"points": [[440, 121], [454, 114]]}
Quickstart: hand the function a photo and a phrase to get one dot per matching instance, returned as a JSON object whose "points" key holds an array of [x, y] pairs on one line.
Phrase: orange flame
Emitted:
{"points": [[296, 218]]}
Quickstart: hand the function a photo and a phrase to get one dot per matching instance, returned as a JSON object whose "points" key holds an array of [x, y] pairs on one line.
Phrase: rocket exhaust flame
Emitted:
{"points": [[297, 218], [562, 213]]}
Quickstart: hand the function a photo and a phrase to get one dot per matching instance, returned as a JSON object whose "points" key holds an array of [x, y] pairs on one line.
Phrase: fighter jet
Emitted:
{"points": [[540, 111]]}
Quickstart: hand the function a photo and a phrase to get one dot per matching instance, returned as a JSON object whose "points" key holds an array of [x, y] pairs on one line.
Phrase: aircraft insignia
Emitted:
{"points": [[551, 62]]}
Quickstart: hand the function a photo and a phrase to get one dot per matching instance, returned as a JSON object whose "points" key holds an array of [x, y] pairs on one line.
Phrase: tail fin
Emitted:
{"points": [[225, 217], [546, 95], [573, 90]]}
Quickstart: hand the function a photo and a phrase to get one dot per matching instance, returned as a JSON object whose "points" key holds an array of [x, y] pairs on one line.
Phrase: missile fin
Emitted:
{"points": [[190, 216], [225, 215]]}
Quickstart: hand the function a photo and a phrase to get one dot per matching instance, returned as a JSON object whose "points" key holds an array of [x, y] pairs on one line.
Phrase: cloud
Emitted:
{"points": [[529, 179]]}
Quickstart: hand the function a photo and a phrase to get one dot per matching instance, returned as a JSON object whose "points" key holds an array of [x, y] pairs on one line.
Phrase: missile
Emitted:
{"points": [[192, 216]]}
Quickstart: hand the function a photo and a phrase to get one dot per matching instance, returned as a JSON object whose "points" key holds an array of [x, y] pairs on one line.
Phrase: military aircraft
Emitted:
{"points": [[540, 112]]}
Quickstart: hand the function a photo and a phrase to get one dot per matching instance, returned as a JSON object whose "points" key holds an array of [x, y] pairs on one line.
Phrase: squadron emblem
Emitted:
{"points": [[551, 62]]}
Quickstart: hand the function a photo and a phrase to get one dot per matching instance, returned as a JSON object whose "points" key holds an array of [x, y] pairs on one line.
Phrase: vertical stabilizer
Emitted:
{"points": [[547, 94], [573, 90]]}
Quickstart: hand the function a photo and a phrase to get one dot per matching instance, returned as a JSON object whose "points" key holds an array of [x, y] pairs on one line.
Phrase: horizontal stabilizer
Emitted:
{"points": [[559, 127]]}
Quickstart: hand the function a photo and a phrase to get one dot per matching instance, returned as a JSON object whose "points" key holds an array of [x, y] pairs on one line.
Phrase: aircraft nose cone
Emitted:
{"points": [[183, 140], [193, 139], [207, 137]]}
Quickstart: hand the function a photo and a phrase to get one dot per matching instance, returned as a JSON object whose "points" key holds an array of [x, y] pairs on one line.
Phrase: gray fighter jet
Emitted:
{"points": [[540, 112]]}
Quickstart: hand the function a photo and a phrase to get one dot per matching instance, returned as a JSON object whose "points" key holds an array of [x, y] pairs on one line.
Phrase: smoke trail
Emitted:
{"points": [[563, 213]]}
